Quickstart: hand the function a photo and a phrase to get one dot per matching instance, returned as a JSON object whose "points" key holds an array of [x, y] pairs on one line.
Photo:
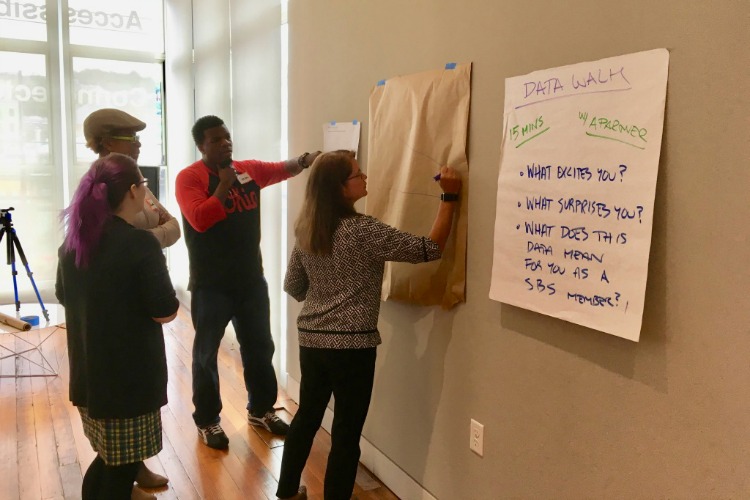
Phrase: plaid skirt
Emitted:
{"points": [[123, 440]]}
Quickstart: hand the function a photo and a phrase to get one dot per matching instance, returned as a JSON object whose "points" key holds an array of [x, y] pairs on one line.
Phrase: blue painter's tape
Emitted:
{"points": [[381, 82], [32, 320], [354, 122], [450, 66]]}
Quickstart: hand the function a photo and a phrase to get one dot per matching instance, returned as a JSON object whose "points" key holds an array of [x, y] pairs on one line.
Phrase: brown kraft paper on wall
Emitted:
{"points": [[417, 124]]}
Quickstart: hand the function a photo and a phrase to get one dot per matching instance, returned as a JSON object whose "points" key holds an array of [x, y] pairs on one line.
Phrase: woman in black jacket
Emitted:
{"points": [[113, 281]]}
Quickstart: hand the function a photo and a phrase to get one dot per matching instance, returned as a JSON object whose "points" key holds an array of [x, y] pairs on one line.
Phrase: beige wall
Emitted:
{"points": [[568, 412]]}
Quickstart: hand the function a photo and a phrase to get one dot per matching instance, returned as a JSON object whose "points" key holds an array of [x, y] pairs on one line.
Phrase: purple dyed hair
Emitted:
{"points": [[98, 195]]}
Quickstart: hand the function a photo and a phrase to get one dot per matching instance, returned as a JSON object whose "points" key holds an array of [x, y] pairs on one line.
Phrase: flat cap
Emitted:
{"points": [[102, 122]]}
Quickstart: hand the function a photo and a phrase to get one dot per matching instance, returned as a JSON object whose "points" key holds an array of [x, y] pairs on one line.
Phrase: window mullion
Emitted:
{"points": [[60, 79]]}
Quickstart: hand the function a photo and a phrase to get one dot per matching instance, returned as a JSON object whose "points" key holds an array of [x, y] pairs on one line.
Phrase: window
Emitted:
{"points": [[109, 54], [135, 88]]}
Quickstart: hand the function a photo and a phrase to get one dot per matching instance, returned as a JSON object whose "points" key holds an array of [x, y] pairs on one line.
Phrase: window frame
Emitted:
{"points": [[59, 55]]}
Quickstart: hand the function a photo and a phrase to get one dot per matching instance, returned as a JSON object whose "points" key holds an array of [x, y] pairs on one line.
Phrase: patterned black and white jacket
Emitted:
{"points": [[342, 290]]}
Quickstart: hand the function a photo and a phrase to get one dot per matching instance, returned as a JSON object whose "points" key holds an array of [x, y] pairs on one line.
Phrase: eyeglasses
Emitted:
{"points": [[126, 138], [358, 174], [143, 181]]}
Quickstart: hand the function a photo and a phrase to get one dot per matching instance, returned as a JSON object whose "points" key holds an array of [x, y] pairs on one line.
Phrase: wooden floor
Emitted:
{"points": [[43, 451]]}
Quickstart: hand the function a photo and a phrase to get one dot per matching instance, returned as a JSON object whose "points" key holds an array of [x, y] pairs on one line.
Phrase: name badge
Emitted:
{"points": [[244, 178]]}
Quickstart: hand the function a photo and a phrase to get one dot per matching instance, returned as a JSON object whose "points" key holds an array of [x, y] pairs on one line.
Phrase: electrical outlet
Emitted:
{"points": [[476, 438]]}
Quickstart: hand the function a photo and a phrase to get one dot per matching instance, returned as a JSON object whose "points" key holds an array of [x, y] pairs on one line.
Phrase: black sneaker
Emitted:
{"points": [[270, 422], [214, 437]]}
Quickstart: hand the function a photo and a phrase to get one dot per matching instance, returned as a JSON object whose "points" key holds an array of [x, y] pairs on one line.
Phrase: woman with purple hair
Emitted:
{"points": [[113, 281]]}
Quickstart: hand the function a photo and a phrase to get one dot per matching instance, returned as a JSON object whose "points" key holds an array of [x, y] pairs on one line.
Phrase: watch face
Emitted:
{"points": [[302, 160]]}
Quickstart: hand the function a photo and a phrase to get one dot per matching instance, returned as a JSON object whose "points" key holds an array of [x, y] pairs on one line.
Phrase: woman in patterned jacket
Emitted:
{"points": [[336, 268]]}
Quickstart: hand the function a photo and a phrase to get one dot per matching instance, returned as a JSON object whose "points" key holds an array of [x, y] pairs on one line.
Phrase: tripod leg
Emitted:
{"points": [[11, 256], [14, 238], [9, 250], [12, 261]]}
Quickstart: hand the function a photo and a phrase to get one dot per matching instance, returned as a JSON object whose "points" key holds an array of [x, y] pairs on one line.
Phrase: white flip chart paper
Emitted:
{"points": [[578, 170]]}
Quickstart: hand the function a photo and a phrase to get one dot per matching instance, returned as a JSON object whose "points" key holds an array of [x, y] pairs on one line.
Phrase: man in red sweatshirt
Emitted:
{"points": [[220, 203]]}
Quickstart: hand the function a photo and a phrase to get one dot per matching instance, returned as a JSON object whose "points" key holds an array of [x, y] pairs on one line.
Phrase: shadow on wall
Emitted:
{"points": [[409, 375], [644, 361]]}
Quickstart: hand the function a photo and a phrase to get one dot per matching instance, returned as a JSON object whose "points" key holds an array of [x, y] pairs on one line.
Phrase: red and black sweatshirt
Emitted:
{"points": [[223, 239]]}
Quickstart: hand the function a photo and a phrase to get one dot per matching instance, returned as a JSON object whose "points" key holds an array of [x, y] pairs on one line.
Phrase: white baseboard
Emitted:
{"points": [[390, 474]]}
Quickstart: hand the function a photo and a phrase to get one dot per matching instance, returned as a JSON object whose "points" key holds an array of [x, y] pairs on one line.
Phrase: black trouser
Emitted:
{"points": [[348, 374], [249, 311], [108, 482]]}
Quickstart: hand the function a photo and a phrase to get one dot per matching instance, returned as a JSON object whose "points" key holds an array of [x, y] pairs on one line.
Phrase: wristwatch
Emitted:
{"points": [[449, 197], [302, 160]]}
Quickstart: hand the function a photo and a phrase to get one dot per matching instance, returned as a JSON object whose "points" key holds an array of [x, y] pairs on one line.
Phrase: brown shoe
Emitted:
{"points": [[147, 478], [301, 494], [139, 494]]}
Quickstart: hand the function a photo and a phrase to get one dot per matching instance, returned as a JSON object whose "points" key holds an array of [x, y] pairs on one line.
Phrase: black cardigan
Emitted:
{"points": [[118, 366]]}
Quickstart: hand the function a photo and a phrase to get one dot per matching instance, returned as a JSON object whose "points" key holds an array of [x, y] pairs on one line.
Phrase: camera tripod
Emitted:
{"points": [[13, 244]]}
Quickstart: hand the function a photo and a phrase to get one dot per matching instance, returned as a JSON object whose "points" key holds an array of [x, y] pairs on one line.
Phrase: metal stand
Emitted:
{"points": [[13, 244], [47, 369]]}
